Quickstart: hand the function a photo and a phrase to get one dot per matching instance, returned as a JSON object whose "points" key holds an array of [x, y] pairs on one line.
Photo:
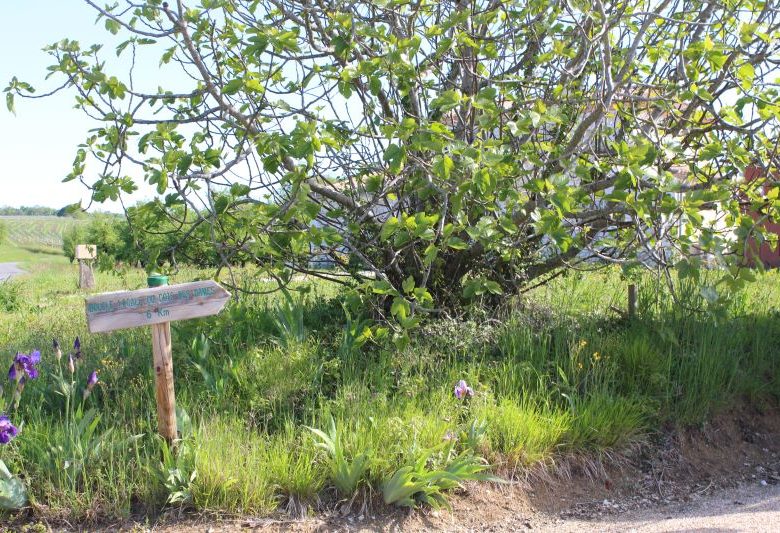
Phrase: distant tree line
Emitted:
{"points": [[38, 211]]}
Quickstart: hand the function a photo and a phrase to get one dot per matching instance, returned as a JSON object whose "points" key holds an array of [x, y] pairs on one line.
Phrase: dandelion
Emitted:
{"points": [[7, 430], [462, 390], [91, 382], [57, 349]]}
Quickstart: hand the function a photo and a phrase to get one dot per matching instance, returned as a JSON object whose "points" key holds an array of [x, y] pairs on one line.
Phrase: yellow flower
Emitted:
{"points": [[579, 365], [583, 343], [596, 356]]}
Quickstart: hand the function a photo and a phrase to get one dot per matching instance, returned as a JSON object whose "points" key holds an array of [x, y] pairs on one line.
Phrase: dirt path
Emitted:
{"points": [[9, 270], [752, 507]]}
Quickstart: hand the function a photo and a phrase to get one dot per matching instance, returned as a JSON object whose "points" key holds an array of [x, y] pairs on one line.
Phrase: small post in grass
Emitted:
{"points": [[85, 255], [157, 306], [631, 300]]}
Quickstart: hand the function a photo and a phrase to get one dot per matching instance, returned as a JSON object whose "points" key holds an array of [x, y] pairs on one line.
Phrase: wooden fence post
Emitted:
{"points": [[631, 300], [85, 254], [86, 276]]}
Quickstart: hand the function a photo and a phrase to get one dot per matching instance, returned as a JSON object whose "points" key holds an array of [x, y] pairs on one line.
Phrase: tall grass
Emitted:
{"points": [[560, 373]]}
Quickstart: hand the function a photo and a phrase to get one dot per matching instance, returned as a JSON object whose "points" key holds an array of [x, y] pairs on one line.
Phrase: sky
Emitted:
{"points": [[38, 144]]}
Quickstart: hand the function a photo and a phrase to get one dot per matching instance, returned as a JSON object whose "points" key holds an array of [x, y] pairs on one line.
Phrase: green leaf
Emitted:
{"points": [[233, 86], [395, 156], [457, 243], [711, 151], [400, 308], [746, 73], [162, 183], [443, 166], [390, 226], [113, 26], [13, 494], [486, 98], [446, 101], [493, 287], [408, 285], [212, 156]]}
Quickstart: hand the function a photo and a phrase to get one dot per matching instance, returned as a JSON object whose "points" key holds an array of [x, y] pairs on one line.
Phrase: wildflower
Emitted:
{"points": [[462, 390], [449, 437], [77, 348], [596, 356], [71, 364], [24, 365], [7, 430], [57, 350], [91, 382]]}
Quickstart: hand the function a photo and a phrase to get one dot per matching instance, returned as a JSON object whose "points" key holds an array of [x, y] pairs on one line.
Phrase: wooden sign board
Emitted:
{"points": [[157, 307], [86, 252], [145, 307]]}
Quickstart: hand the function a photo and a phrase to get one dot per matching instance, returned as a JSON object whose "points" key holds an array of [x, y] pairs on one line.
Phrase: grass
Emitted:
{"points": [[559, 374]]}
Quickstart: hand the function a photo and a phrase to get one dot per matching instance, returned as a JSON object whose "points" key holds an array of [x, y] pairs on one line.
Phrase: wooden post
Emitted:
{"points": [[85, 254], [163, 381], [631, 300], [86, 276], [157, 306]]}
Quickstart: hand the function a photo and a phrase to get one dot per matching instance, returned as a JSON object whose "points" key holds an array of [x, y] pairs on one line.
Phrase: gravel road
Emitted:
{"points": [[752, 507], [9, 270]]}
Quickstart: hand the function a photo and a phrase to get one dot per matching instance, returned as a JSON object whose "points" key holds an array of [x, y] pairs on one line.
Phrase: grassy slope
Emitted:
{"points": [[30, 255], [546, 383], [37, 232]]}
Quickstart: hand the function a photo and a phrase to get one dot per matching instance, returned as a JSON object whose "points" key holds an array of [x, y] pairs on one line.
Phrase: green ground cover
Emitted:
{"points": [[557, 373], [31, 255]]}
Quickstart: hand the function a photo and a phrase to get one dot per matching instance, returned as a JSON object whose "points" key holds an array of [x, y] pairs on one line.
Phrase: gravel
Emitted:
{"points": [[9, 270], [751, 507]]}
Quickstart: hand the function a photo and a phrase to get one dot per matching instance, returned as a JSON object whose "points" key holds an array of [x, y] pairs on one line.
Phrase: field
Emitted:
{"points": [[283, 410], [37, 232]]}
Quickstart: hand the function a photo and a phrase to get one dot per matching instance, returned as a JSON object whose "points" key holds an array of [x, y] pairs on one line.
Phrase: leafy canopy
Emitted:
{"points": [[438, 152]]}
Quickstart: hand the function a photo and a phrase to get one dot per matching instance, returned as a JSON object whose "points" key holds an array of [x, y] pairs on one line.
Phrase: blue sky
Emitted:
{"points": [[38, 144]]}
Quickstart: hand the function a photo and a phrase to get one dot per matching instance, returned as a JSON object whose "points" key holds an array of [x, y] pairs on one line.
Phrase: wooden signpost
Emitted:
{"points": [[85, 255], [157, 307]]}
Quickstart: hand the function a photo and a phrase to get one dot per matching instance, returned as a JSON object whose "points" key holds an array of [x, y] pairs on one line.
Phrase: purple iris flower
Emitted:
{"points": [[91, 382], [57, 349], [7, 430], [462, 390], [12, 372], [77, 348], [26, 364]]}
